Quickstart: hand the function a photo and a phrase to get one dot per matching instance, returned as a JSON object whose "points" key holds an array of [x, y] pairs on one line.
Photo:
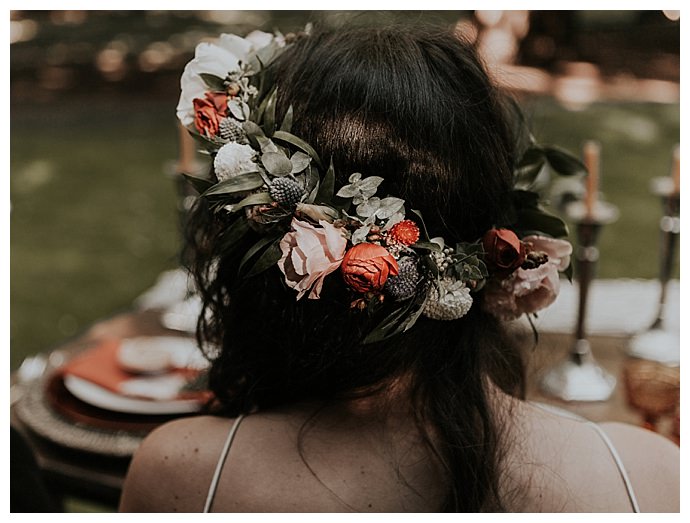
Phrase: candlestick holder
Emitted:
{"points": [[579, 377], [658, 342]]}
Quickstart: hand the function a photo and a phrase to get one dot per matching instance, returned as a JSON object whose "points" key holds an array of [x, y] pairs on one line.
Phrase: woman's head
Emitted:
{"points": [[416, 108], [413, 106]]}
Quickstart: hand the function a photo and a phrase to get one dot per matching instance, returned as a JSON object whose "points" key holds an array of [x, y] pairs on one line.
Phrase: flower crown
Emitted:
{"points": [[274, 183]]}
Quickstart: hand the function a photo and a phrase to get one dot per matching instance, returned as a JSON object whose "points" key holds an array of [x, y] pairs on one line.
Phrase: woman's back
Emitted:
{"points": [[354, 460]]}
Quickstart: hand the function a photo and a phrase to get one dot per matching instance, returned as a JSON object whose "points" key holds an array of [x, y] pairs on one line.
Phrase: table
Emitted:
{"points": [[100, 477]]}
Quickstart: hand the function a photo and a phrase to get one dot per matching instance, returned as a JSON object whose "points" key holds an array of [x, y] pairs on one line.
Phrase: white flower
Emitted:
{"points": [[219, 59], [449, 300], [233, 159]]}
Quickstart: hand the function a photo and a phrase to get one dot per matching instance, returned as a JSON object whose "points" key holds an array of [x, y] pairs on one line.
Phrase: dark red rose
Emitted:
{"points": [[504, 250], [366, 267], [209, 112]]}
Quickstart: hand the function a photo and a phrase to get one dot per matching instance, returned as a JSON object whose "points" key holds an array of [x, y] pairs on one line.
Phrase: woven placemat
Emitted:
{"points": [[33, 410]]}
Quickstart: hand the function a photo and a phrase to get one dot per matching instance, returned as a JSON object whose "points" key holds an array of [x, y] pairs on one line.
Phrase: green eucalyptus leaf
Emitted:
{"points": [[299, 143], [213, 82], [266, 144], [300, 161], [238, 109], [234, 233], [252, 129], [240, 183], [389, 206], [287, 121], [276, 163], [260, 198], [563, 162]]}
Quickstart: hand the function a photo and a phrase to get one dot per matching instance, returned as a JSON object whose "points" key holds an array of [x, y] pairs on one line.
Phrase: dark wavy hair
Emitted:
{"points": [[417, 108]]}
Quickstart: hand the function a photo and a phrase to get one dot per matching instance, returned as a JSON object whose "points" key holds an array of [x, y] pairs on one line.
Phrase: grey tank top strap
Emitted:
{"points": [[221, 461], [609, 444]]}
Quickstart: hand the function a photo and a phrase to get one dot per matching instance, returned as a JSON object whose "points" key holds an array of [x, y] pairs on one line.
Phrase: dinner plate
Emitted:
{"points": [[100, 397]]}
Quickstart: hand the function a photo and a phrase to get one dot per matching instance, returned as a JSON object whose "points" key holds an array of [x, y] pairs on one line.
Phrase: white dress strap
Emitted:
{"points": [[607, 441], [619, 462], [221, 461]]}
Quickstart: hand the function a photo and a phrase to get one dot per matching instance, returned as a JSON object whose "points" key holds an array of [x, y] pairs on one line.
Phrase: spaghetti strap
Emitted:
{"points": [[607, 441], [221, 461], [619, 464]]}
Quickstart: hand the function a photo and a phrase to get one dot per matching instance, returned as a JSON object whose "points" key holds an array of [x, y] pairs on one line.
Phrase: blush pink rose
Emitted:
{"points": [[310, 254], [529, 290]]}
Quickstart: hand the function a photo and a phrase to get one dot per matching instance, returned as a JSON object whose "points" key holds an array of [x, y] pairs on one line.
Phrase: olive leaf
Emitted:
{"points": [[299, 143], [287, 121], [267, 259], [270, 113], [200, 184], [327, 186], [239, 183], [213, 82], [255, 249]]}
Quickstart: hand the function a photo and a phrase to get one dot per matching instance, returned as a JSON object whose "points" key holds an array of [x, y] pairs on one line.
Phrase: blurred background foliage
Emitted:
{"points": [[94, 138]]}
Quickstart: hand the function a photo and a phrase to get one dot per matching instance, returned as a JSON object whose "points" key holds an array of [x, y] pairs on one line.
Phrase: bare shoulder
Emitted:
{"points": [[653, 464], [172, 469]]}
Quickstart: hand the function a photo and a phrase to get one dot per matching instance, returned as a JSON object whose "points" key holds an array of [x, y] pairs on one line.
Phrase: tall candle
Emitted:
{"points": [[675, 170], [591, 153]]}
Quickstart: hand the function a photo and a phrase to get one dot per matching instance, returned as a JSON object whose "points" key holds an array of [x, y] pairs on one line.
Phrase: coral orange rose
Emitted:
{"points": [[366, 267], [209, 112]]}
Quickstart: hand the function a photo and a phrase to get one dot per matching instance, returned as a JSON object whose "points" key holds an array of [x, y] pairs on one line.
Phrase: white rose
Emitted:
{"points": [[232, 159], [218, 58]]}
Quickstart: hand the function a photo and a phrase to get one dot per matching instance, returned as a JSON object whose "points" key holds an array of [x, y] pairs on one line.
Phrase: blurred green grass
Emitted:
{"points": [[637, 140], [94, 218]]}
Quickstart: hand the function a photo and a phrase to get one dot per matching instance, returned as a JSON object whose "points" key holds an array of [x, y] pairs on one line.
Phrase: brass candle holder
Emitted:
{"points": [[658, 342], [579, 377]]}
